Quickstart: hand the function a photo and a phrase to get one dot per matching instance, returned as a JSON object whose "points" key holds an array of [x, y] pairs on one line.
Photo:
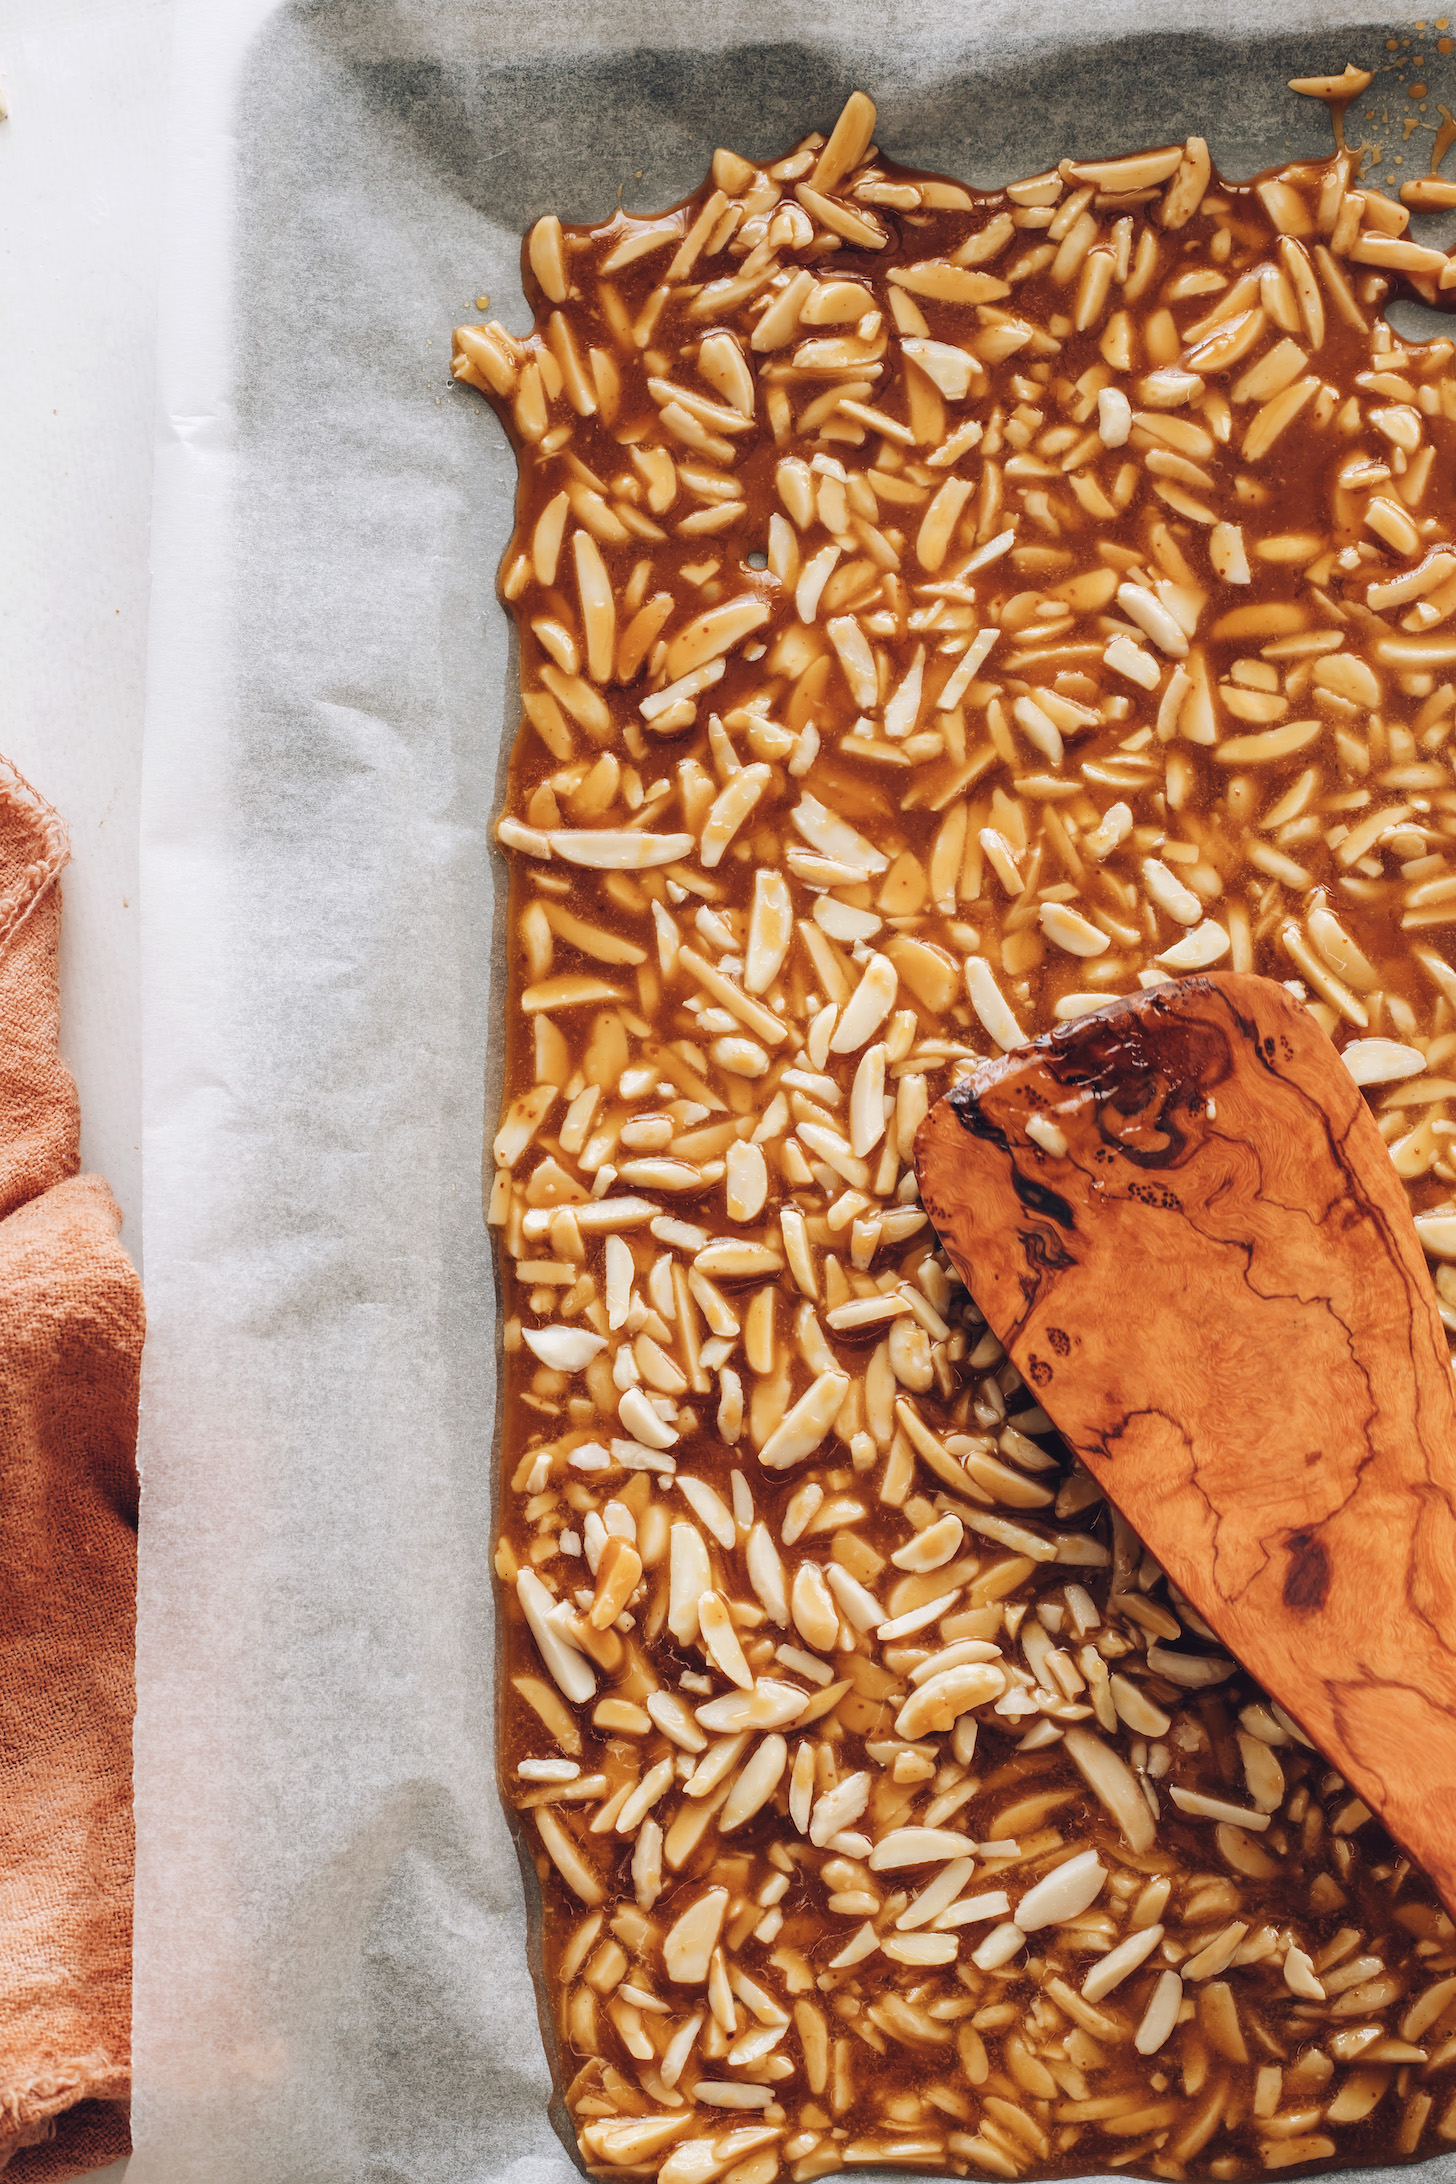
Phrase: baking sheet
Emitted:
{"points": [[331, 1930]]}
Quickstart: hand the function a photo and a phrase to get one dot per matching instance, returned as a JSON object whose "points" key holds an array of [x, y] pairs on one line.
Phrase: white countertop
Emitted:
{"points": [[80, 180]]}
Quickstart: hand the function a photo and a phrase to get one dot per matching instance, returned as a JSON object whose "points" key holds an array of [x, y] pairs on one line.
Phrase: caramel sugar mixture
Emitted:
{"points": [[939, 611]]}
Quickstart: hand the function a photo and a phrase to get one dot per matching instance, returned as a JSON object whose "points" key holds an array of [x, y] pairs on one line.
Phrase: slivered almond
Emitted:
{"points": [[947, 283], [1143, 171], [730, 809], [806, 1424], [607, 850], [759, 1020]]}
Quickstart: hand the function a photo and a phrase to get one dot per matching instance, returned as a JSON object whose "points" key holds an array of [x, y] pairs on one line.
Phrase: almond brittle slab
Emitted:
{"points": [[939, 611]]}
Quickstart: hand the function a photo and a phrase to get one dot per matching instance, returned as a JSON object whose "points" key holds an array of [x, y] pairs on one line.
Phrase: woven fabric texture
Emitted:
{"points": [[71, 1324]]}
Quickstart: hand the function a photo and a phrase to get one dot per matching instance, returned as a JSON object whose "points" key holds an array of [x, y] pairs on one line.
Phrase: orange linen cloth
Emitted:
{"points": [[70, 1356]]}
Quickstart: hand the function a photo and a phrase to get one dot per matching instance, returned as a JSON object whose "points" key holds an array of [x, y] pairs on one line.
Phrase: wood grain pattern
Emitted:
{"points": [[1219, 1297]]}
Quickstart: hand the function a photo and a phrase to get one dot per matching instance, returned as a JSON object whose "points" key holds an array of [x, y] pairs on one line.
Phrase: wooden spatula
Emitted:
{"points": [[1179, 1217]]}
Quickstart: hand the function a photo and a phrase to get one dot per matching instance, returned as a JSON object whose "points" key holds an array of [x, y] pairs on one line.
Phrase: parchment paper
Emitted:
{"points": [[331, 1935]]}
